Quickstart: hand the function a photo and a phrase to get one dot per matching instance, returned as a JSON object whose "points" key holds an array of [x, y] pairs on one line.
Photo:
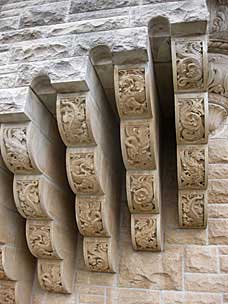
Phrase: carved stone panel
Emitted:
{"points": [[192, 167], [82, 173], [189, 64], [193, 209], [2, 272], [131, 93], [145, 232], [142, 192], [7, 292], [97, 253], [50, 276], [90, 216], [191, 118], [15, 149], [137, 145], [73, 122], [40, 239]]}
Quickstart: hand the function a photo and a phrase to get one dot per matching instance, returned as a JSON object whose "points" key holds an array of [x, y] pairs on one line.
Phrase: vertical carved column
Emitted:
{"points": [[87, 129], [189, 60], [140, 153], [34, 156]]}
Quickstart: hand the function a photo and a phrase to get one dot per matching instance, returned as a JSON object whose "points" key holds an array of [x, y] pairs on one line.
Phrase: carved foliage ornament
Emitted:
{"points": [[218, 79], [189, 64], [89, 215], [217, 118], [7, 292], [39, 237], [141, 193], [191, 120], [2, 272], [192, 168], [97, 252], [15, 143], [82, 169], [72, 112], [192, 209], [132, 99], [50, 276], [28, 198], [145, 232], [138, 146]]}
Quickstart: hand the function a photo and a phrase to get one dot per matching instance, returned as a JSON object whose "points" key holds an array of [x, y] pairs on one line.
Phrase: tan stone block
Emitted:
{"points": [[217, 171], [92, 290], [200, 259], [223, 250], [224, 264], [217, 151], [91, 299], [218, 232], [218, 191], [218, 211], [152, 271], [206, 282], [225, 298], [191, 298], [183, 236]]}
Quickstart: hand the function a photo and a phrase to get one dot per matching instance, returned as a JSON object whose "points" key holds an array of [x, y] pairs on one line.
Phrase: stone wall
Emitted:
{"points": [[52, 38]]}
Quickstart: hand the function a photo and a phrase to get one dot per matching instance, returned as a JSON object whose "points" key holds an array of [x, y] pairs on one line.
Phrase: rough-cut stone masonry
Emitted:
{"points": [[114, 144]]}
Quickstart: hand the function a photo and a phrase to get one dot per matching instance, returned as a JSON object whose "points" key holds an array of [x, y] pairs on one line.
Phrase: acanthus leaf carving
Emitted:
{"points": [[89, 216], [192, 209], [141, 190], [192, 167], [83, 175], [16, 149], [138, 146], [97, 253], [145, 232], [73, 121]]}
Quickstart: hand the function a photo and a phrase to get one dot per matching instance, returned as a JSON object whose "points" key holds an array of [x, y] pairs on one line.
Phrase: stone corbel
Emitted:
{"points": [[88, 129], [34, 155], [139, 145], [189, 61]]}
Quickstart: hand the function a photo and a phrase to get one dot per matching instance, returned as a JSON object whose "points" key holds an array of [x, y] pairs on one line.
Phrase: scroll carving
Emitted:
{"points": [[72, 120], [16, 150], [192, 209], [83, 174], [50, 276], [97, 255], [138, 145]]}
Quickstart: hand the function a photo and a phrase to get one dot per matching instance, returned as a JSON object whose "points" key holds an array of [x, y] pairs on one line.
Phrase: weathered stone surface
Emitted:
{"points": [[218, 191], [218, 211], [223, 250], [218, 151], [182, 236], [157, 271], [217, 171], [191, 298], [218, 232], [9, 24], [200, 259], [206, 282], [224, 264], [44, 14]]}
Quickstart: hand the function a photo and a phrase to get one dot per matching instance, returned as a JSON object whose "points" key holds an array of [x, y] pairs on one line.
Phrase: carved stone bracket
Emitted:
{"points": [[138, 131], [89, 167], [28, 152], [189, 60]]}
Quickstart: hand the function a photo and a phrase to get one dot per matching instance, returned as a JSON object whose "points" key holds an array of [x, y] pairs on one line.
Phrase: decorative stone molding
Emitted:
{"points": [[85, 126], [138, 131], [26, 152], [189, 60]]}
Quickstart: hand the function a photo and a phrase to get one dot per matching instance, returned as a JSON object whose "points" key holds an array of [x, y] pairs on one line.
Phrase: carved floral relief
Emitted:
{"points": [[144, 232], [191, 120], [141, 190], [15, 145], [82, 170], [50, 276], [189, 74], [137, 144], [132, 97], [89, 216], [72, 119], [7, 292], [192, 206], [192, 167], [96, 252]]}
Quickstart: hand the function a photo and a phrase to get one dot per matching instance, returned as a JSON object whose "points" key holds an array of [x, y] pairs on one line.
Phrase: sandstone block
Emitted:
{"points": [[223, 250], [9, 24], [218, 211], [217, 171], [218, 232], [183, 236], [224, 264], [200, 259], [218, 151], [191, 298], [206, 282], [218, 191]]}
